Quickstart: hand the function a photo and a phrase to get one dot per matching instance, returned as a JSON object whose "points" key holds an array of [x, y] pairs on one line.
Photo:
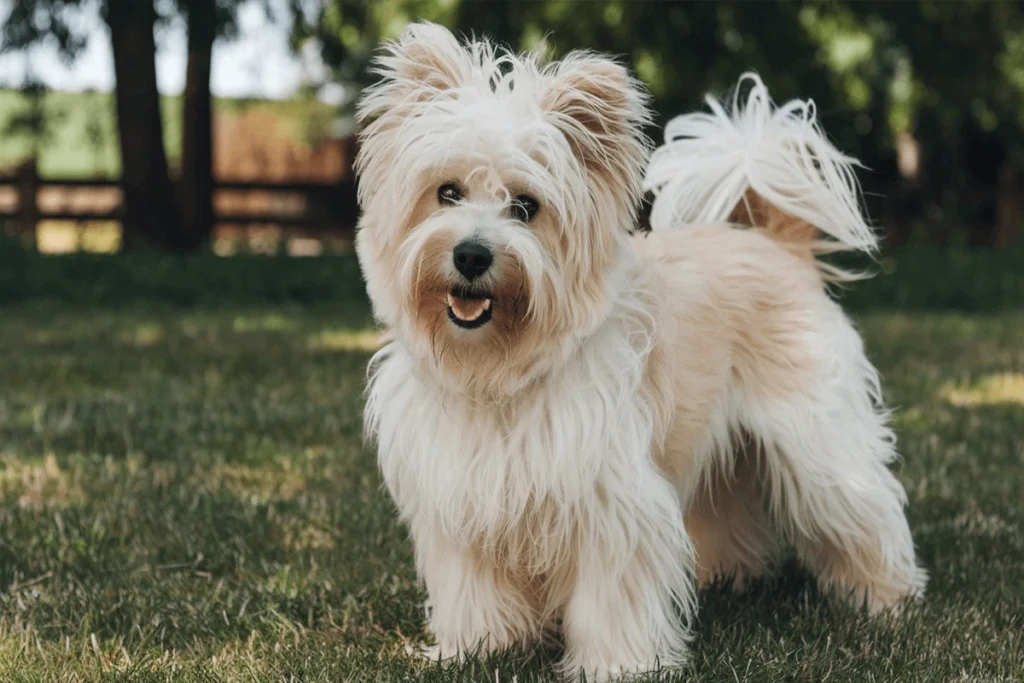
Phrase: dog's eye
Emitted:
{"points": [[449, 193], [524, 208]]}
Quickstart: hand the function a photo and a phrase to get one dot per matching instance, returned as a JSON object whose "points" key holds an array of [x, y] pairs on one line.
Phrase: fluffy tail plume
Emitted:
{"points": [[767, 167]]}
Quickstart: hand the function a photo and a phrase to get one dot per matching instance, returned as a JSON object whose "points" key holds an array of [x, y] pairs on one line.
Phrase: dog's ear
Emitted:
{"points": [[424, 63], [601, 110]]}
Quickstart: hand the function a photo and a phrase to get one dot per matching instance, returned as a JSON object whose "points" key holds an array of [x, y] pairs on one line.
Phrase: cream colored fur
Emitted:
{"points": [[640, 412]]}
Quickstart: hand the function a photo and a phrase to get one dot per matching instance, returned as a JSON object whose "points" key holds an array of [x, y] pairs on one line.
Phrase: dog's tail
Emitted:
{"points": [[762, 166]]}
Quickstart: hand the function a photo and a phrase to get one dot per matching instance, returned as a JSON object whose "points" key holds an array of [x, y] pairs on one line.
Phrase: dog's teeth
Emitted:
{"points": [[468, 310]]}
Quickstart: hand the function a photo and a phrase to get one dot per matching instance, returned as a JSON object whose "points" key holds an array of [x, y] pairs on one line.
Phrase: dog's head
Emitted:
{"points": [[497, 196]]}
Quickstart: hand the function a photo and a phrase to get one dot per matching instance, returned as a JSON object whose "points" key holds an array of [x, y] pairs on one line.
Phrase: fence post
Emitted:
{"points": [[28, 199], [349, 195]]}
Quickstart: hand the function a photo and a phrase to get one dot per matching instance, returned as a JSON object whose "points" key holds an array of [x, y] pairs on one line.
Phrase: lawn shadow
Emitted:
{"points": [[773, 601]]}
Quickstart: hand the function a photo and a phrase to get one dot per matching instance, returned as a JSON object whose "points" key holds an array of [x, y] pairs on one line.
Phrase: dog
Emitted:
{"points": [[580, 422]]}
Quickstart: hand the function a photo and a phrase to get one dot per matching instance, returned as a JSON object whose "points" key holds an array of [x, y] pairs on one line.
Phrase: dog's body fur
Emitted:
{"points": [[641, 412]]}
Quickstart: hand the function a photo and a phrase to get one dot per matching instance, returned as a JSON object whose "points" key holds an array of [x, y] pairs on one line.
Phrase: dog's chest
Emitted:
{"points": [[498, 478]]}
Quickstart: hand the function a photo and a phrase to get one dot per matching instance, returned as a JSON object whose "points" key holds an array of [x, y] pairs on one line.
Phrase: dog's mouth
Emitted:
{"points": [[469, 310]]}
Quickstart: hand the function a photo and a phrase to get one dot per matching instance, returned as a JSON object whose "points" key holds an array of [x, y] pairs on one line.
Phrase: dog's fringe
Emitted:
{"points": [[762, 166]]}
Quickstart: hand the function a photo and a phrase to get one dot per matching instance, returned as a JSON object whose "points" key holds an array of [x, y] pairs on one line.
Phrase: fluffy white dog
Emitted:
{"points": [[579, 425]]}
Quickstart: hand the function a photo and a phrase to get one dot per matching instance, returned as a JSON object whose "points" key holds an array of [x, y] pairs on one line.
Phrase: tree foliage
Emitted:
{"points": [[854, 57], [942, 79], [951, 74]]}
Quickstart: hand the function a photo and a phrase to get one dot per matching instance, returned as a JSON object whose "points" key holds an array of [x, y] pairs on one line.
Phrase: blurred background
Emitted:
{"points": [[226, 125]]}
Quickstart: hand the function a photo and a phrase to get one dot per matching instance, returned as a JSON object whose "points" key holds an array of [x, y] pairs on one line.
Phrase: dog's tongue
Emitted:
{"points": [[468, 310]]}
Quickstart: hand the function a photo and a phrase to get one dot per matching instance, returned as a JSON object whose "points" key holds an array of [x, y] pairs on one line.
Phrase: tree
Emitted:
{"points": [[349, 32], [205, 20], [150, 213], [155, 212], [947, 76], [960, 72]]}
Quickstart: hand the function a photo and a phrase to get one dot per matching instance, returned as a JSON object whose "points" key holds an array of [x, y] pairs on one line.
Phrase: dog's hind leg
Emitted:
{"points": [[827, 448], [729, 523]]}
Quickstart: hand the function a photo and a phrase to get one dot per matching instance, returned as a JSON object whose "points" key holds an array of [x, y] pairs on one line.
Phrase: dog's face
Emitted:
{"points": [[497, 196]]}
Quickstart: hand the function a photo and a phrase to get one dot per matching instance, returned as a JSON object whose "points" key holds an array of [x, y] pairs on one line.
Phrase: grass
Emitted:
{"points": [[185, 496]]}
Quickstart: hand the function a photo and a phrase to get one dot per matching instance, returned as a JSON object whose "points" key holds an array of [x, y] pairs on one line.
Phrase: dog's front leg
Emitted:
{"points": [[633, 595], [473, 608]]}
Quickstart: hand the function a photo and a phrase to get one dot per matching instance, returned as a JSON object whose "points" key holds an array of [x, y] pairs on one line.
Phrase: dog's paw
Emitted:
{"points": [[894, 607], [434, 653], [609, 671], [891, 598]]}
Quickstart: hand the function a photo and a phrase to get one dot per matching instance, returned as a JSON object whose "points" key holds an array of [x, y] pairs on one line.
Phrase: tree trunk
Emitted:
{"points": [[197, 140], [150, 212], [1007, 205]]}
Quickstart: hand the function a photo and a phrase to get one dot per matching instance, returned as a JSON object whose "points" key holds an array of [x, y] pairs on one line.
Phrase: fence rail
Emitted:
{"points": [[314, 207]]}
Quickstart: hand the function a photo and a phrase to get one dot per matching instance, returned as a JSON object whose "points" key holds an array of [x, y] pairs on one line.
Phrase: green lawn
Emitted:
{"points": [[185, 497]]}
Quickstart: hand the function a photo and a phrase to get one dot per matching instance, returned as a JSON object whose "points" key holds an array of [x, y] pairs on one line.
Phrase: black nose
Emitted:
{"points": [[472, 259]]}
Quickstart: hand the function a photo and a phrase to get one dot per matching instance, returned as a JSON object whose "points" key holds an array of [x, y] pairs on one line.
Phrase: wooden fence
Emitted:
{"points": [[302, 208]]}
